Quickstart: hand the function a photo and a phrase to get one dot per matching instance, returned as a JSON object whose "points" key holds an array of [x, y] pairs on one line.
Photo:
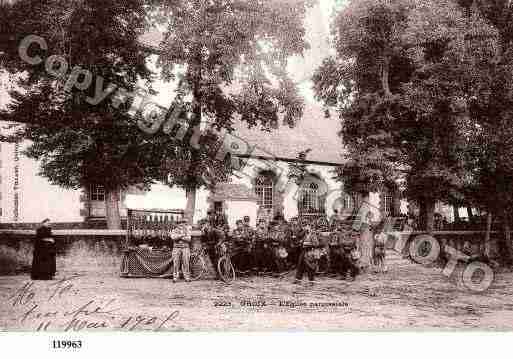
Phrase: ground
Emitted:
{"points": [[408, 297]]}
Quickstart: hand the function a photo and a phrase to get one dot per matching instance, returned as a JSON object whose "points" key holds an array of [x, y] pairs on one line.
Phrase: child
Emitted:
{"points": [[380, 239]]}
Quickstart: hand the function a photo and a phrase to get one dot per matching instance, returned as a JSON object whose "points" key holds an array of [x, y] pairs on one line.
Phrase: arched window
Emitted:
{"points": [[311, 202], [264, 191]]}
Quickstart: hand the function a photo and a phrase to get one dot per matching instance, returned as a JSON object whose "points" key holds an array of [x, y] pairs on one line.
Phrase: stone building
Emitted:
{"points": [[262, 188]]}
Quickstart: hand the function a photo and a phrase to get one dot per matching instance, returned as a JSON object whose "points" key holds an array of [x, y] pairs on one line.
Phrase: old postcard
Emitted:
{"points": [[255, 165]]}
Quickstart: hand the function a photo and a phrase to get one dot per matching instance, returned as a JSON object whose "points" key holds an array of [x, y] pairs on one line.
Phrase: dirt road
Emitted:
{"points": [[408, 297]]}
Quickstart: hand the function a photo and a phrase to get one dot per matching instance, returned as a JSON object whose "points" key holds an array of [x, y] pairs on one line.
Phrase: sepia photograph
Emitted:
{"points": [[255, 166]]}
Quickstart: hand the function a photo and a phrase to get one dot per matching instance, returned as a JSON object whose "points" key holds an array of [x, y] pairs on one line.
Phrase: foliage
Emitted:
{"points": [[229, 59], [402, 79], [78, 143]]}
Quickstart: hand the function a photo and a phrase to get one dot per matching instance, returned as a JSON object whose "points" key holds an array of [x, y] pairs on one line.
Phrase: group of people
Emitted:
{"points": [[275, 247], [335, 247]]}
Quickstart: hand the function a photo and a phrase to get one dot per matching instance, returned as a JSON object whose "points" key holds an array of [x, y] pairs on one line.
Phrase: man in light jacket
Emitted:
{"points": [[181, 237]]}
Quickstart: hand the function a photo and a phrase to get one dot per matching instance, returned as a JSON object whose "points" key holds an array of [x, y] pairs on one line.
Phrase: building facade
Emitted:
{"points": [[262, 188]]}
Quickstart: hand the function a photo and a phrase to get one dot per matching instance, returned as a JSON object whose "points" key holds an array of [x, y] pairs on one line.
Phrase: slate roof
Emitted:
{"points": [[313, 131]]}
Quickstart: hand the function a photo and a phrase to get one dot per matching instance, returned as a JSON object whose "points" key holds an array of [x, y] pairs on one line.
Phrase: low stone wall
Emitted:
{"points": [[91, 223], [84, 250], [77, 250]]}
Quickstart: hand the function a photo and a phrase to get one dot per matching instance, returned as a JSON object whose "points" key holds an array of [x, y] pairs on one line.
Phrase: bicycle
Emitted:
{"points": [[225, 267], [197, 265]]}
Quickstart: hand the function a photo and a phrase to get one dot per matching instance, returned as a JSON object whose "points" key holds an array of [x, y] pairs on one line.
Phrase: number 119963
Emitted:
{"points": [[66, 344]]}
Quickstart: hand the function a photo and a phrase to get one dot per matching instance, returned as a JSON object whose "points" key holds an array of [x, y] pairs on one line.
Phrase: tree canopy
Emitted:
{"points": [[77, 139], [229, 59], [403, 79]]}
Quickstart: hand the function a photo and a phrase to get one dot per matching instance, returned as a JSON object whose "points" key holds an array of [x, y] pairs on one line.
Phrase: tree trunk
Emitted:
{"points": [[190, 207], [507, 239], [190, 191], [427, 212], [487, 244], [456, 213], [385, 70], [470, 214], [112, 209]]}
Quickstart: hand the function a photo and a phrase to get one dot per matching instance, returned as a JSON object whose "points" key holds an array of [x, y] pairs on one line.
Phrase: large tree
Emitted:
{"points": [[490, 108], [78, 139], [229, 59], [400, 80]]}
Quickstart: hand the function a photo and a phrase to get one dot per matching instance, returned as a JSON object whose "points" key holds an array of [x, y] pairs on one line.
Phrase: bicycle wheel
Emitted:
{"points": [[197, 267], [225, 269]]}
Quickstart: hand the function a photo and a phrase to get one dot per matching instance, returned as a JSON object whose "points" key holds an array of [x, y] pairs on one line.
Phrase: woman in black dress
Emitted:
{"points": [[43, 261]]}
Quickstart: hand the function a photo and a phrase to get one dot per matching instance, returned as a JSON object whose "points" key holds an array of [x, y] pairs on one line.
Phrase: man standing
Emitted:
{"points": [[213, 234], [307, 261], [247, 227], [261, 261], [278, 251], [335, 259], [181, 237], [347, 243], [294, 236], [334, 219]]}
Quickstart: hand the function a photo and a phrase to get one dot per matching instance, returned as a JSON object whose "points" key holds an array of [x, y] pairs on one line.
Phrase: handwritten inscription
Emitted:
{"points": [[43, 309]]}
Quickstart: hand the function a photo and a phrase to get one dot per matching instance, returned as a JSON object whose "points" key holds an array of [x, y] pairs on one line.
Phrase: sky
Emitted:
{"points": [[301, 68]]}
